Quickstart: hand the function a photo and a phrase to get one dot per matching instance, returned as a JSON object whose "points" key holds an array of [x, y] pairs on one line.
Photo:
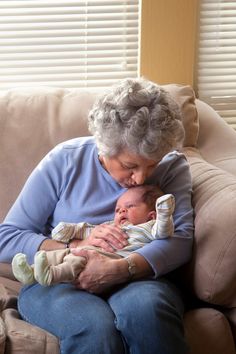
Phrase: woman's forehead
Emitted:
{"points": [[129, 157]]}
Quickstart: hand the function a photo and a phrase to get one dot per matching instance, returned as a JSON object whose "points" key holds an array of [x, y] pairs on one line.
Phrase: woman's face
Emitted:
{"points": [[128, 169]]}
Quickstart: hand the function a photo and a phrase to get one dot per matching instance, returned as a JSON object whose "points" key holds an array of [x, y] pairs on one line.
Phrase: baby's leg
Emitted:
{"points": [[105, 253], [57, 266], [22, 270], [164, 226]]}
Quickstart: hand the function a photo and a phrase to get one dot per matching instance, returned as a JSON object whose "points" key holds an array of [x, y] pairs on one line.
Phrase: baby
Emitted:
{"points": [[143, 212]]}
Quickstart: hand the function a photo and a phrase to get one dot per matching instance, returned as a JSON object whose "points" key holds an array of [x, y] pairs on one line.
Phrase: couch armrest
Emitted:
{"points": [[24, 338], [6, 271], [2, 336], [211, 274], [8, 280], [216, 140]]}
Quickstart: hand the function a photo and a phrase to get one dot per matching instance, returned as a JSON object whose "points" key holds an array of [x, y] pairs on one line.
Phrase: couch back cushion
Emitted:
{"points": [[184, 96], [34, 120]]}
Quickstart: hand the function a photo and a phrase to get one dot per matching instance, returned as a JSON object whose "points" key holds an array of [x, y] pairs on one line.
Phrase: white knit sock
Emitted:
{"points": [[42, 269], [22, 270]]}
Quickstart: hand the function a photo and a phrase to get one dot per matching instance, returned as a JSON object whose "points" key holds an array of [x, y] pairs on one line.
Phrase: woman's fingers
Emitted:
{"points": [[108, 236]]}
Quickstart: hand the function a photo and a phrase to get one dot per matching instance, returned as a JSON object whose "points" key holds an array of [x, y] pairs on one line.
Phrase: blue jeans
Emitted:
{"points": [[142, 317]]}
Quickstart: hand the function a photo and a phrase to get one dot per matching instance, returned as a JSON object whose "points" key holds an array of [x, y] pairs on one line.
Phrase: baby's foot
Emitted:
{"points": [[22, 270], [41, 269]]}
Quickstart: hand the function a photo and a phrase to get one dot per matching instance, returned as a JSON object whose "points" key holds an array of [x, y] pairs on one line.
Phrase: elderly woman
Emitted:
{"points": [[116, 305]]}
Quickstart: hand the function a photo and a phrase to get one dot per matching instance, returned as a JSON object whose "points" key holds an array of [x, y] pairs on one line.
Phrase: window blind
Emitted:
{"points": [[68, 43], [217, 57]]}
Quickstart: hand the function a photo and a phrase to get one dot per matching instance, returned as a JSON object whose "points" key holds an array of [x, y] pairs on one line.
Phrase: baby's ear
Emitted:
{"points": [[152, 215]]}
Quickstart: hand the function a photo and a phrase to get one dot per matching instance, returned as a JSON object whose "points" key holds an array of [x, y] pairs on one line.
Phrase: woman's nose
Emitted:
{"points": [[139, 177]]}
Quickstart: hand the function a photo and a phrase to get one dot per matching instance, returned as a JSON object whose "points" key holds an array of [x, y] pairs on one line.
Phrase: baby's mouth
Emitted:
{"points": [[122, 221]]}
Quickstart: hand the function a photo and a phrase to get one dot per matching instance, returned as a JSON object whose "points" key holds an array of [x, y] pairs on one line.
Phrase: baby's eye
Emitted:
{"points": [[117, 210], [130, 206]]}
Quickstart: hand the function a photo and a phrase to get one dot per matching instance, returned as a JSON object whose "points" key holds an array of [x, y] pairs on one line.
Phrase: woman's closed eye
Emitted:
{"points": [[128, 167]]}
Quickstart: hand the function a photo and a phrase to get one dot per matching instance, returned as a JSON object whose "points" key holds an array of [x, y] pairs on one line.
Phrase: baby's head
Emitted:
{"points": [[137, 205]]}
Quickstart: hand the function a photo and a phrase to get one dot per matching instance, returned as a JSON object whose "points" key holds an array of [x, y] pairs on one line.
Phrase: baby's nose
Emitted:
{"points": [[122, 210]]}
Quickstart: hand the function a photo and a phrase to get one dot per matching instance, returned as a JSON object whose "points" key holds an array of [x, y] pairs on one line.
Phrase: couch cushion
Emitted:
{"points": [[2, 336], [33, 121], [23, 338], [231, 316], [212, 270], [7, 299], [208, 332], [16, 335], [185, 98]]}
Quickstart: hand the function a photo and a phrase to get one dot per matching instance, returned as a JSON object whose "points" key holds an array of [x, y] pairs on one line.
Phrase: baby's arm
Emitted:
{"points": [[65, 232], [164, 225]]}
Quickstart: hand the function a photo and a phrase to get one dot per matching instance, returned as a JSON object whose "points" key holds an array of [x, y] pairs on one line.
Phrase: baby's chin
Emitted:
{"points": [[124, 222]]}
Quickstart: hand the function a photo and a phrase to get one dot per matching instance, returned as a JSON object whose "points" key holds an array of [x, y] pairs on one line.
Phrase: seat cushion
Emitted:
{"points": [[208, 332], [24, 338]]}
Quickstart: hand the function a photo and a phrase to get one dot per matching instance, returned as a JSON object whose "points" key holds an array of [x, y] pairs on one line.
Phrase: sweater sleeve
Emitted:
{"points": [[23, 229], [165, 255]]}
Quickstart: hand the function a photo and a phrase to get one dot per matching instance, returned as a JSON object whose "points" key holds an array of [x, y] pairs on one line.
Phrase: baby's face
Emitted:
{"points": [[130, 208]]}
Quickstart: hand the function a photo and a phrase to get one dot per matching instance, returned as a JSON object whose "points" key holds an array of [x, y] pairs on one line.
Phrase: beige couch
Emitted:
{"points": [[32, 121]]}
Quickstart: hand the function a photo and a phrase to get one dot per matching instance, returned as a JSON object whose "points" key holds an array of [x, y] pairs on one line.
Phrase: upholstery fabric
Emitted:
{"points": [[217, 140], [24, 338], [212, 270], [32, 122], [208, 331], [2, 336], [184, 96]]}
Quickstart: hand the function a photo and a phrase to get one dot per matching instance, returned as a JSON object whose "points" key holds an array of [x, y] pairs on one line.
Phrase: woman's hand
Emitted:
{"points": [[101, 272], [108, 237]]}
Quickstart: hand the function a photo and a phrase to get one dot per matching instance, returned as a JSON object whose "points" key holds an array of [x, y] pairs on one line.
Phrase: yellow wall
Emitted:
{"points": [[168, 38]]}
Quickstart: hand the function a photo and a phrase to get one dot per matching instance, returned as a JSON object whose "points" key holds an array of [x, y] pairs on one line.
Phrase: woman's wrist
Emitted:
{"points": [[131, 267], [135, 266]]}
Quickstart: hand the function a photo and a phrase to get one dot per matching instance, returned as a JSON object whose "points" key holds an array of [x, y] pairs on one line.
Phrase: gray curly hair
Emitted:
{"points": [[139, 116]]}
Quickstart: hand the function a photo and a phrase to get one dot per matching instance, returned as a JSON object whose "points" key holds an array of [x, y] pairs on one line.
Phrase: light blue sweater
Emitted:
{"points": [[70, 185]]}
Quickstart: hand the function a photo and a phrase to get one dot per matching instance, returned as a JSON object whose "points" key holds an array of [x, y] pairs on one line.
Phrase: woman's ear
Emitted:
{"points": [[152, 215]]}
